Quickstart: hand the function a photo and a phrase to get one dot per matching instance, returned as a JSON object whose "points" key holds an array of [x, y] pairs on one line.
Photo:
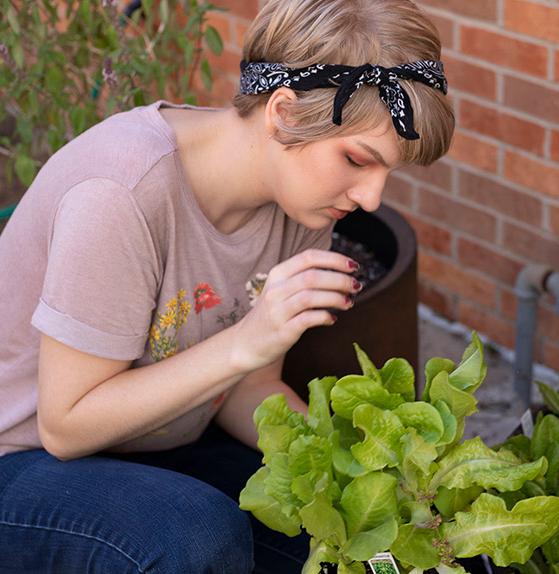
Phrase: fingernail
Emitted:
{"points": [[349, 300], [353, 265], [334, 318], [357, 285]]}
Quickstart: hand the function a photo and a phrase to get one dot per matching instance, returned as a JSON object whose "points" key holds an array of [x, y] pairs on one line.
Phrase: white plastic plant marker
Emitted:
{"points": [[383, 563]]}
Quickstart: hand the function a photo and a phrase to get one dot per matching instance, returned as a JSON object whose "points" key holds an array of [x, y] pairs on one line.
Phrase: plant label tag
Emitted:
{"points": [[383, 563], [527, 423]]}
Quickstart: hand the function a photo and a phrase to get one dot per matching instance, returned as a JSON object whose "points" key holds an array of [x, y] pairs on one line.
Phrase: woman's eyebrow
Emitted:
{"points": [[377, 155]]}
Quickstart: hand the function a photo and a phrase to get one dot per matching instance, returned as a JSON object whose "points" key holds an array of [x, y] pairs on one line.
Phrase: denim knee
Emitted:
{"points": [[213, 537]]}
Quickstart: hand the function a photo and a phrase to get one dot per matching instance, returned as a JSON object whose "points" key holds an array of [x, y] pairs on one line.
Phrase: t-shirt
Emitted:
{"points": [[109, 252]]}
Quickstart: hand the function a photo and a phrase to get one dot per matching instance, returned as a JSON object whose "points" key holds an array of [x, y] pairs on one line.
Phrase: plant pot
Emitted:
{"points": [[383, 320]]}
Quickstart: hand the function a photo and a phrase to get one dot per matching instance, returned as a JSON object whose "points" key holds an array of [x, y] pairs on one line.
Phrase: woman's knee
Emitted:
{"points": [[208, 534]]}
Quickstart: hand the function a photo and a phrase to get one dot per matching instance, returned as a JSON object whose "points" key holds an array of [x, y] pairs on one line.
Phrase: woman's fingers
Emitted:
{"points": [[312, 258], [309, 299]]}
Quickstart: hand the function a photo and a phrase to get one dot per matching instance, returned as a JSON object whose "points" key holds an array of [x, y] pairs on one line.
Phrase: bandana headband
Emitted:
{"points": [[262, 77]]}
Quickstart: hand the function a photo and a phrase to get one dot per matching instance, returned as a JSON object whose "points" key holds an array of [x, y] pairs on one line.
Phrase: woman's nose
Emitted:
{"points": [[368, 195]]}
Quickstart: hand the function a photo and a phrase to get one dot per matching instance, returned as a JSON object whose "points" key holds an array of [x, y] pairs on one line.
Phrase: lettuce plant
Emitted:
{"points": [[543, 442], [371, 469]]}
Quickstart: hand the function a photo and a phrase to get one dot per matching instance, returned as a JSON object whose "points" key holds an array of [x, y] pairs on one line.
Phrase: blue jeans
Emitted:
{"points": [[167, 512]]}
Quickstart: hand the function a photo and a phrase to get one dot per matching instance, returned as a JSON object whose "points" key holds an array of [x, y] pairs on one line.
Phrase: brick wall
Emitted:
{"points": [[492, 205]]}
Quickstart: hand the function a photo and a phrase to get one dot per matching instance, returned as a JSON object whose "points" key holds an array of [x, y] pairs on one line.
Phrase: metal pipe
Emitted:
{"points": [[531, 282]]}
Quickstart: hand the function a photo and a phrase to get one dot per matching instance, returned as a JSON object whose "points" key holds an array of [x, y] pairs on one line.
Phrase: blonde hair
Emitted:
{"points": [[300, 33]]}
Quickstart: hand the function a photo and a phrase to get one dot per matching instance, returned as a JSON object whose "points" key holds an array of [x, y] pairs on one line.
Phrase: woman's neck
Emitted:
{"points": [[221, 158]]}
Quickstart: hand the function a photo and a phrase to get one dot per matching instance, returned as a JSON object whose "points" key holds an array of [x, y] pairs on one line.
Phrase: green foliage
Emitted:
{"points": [[373, 470], [544, 443], [65, 66]]}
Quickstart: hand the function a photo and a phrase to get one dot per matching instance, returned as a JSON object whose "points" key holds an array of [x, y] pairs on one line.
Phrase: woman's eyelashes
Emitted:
{"points": [[354, 163]]}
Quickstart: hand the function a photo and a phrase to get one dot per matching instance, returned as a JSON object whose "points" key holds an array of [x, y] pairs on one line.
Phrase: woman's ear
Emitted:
{"points": [[276, 112]]}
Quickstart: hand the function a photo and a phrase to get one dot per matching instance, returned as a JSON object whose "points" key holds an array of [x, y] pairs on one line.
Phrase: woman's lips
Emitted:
{"points": [[337, 213]]}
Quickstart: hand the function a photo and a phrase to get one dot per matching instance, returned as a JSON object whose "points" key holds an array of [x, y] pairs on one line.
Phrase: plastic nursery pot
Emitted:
{"points": [[383, 320]]}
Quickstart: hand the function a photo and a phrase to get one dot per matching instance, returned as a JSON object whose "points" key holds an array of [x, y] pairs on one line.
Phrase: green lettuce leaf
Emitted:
{"points": [[355, 390], [425, 418], [461, 403], [321, 520], [266, 508], [473, 463], [383, 432], [432, 368], [319, 417], [450, 423], [415, 546], [398, 377], [506, 536], [449, 501], [471, 371], [365, 545], [368, 501], [367, 366], [546, 434]]}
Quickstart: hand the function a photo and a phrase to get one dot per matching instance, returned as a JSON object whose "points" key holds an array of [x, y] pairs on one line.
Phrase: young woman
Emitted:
{"points": [[173, 255]]}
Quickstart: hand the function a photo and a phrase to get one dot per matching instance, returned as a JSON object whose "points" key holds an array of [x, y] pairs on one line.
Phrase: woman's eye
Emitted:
{"points": [[353, 162]]}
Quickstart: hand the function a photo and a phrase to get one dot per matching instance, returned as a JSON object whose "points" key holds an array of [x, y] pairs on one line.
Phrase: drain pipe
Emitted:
{"points": [[531, 282]]}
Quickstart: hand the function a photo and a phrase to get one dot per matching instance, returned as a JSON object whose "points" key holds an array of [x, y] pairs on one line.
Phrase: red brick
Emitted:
{"points": [[531, 246], [508, 305], [457, 215], [556, 75], [222, 23], [553, 219], [502, 126], [550, 355], [222, 91], [532, 173], [481, 258], [480, 9], [470, 78], [487, 322], [532, 98], [398, 190], [555, 146], [500, 198], [243, 8], [445, 26], [532, 19], [228, 61], [447, 275], [474, 152], [436, 299], [520, 55], [431, 236], [438, 174], [548, 323]]}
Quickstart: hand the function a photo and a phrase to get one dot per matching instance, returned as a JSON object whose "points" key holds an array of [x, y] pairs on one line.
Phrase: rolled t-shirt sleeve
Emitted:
{"points": [[102, 276]]}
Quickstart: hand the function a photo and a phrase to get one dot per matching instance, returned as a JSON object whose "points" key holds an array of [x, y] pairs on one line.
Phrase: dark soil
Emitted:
{"points": [[371, 270]]}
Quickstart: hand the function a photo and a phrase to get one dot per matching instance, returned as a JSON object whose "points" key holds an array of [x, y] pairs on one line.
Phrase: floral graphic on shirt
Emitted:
{"points": [[255, 286], [236, 314], [164, 331], [205, 297]]}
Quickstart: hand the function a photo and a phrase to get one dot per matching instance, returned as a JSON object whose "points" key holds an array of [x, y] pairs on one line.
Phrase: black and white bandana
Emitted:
{"points": [[262, 77]]}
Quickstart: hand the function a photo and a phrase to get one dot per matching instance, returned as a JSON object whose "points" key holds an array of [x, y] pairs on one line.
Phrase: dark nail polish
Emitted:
{"points": [[357, 285], [334, 318], [353, 265]]}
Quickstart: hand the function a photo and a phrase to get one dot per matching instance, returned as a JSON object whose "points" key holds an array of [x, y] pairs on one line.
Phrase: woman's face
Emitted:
{"points": [[321, 182]]}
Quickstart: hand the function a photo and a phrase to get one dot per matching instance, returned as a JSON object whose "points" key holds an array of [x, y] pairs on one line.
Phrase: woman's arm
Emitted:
{"points": [[235, 415], [87, 404]]}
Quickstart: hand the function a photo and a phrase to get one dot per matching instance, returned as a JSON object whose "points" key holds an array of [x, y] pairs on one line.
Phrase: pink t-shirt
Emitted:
{"points": [[109, 253]]}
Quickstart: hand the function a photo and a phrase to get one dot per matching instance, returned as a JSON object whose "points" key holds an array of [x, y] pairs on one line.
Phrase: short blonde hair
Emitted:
{"points": [[299, 33]]}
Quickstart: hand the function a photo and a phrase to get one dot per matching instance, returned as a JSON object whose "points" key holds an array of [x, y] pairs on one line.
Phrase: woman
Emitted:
{"points": [[173, 256]]}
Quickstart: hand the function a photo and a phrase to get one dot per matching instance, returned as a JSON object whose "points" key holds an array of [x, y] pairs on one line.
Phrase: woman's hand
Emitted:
{"points": [[296, 296]]}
